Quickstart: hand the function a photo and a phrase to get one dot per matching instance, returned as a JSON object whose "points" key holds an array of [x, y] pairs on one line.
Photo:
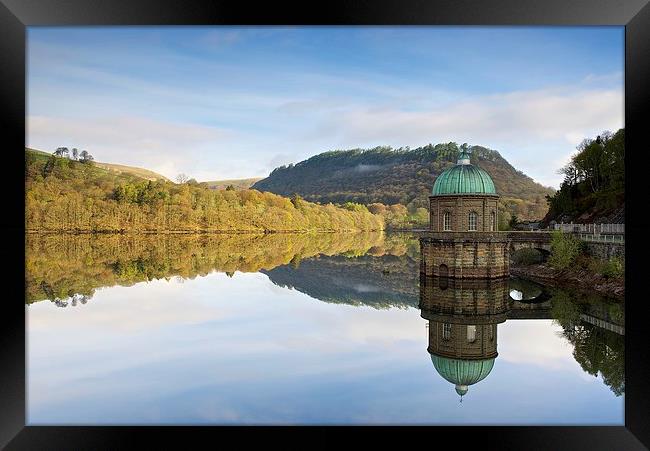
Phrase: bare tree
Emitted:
{"points": [[182, 178]]}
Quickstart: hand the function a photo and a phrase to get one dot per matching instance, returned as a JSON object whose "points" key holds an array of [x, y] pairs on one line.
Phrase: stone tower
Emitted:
{"points": [[463, 219], [463, 199], [463, 317]]}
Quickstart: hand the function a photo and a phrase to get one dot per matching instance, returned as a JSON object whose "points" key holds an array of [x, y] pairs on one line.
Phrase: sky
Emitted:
{"points": [[236, 102]]}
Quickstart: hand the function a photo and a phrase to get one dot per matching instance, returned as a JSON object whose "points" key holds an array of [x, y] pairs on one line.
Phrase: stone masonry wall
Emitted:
{"points": [[465, 257], [460, 207], [456, 344], [606, 250], [453, 300]]}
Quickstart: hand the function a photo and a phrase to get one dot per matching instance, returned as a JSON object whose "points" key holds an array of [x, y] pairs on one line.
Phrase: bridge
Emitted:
{"points": [[486, 254], [612, 241], [540, 240]]}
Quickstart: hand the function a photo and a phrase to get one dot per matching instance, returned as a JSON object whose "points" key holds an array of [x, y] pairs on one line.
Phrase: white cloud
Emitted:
{"points": [[534, 130], [517, 117], [534, 342]]}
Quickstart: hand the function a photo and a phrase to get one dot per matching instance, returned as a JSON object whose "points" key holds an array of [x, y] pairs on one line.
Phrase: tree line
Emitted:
{"points": [[74, 154], [594, 179], [64, 194]]}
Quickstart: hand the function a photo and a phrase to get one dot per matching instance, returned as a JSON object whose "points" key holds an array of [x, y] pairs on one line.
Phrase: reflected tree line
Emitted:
{"points": [[596, 349], [60, 267]]}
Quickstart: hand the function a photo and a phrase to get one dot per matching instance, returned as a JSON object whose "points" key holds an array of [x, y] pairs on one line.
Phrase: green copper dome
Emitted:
{"points": [[462, 372], [463, 178]]}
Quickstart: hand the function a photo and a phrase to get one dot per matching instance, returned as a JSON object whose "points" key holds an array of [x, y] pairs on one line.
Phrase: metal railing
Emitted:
{"points": [[591, 228], [602, 238]]}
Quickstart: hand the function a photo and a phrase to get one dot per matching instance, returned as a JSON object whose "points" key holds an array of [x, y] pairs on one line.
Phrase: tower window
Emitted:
{"points": [[493, 221], [472, 220], [471, 334], [446, 221], [446, 331]]}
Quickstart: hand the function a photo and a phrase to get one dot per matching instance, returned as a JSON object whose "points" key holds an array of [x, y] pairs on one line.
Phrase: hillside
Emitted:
{"points": [[117, 168], [66, 195], [593, 189], [130, 170], [236, 183], [390, 176]]}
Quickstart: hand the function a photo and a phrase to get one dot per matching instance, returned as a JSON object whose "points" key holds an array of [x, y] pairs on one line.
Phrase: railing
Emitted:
{"points": [[602, 238], [603, 324], [591, 228]]}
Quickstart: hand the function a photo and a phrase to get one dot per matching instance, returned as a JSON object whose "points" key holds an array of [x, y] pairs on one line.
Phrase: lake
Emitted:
{"points": [[304, 329]]}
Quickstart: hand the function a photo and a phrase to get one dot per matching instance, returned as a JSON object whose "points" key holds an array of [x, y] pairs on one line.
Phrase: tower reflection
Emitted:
{"points": [[463, 316]]}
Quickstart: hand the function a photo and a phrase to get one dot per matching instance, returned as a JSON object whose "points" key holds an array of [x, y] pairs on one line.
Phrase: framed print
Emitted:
{"points": [[393, 217]]}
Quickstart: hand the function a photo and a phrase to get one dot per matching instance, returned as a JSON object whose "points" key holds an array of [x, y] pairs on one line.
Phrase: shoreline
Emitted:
{"points": [[582, 280], [188, 232]]}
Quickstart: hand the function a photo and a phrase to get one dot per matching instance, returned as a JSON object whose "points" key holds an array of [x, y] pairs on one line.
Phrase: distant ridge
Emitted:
{"points": [[132, 170], [405, 176], [236, 183]]}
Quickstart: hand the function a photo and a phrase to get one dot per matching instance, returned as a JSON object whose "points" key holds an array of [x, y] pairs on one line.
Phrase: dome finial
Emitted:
{"points": [[463, 158], [461, 389]]}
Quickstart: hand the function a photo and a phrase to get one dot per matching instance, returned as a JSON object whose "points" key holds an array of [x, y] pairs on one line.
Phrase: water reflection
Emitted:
{"points": [[317, 321], [463, 317], [58, 267]]}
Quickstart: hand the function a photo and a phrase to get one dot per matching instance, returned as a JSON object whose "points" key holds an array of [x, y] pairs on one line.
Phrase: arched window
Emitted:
{"points": [[472, 220], [446, 221], [446, 331], [493, 221], [471, 334]]}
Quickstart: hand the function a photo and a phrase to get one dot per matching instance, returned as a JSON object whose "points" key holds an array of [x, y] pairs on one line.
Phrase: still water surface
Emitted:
{"points": [[304, 329]]}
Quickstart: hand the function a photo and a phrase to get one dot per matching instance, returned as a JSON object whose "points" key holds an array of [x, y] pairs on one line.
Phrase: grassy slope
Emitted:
{"points": [[96, 170], [237, 183], [138, 172], [118, 168]]}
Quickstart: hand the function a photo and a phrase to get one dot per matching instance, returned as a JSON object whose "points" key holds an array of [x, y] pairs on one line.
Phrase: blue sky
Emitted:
{"points": [[231, 102]]}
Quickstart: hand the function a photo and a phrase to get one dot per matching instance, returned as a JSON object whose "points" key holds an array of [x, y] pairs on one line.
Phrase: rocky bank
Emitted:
{"points": [[574, 277]]}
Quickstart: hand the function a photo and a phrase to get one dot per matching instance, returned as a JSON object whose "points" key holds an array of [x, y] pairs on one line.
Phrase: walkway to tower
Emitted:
{"points": [[539, 239]]}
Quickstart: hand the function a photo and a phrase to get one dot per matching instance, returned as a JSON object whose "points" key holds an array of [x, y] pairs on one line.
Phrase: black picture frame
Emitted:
{"points": [[16, 15]]}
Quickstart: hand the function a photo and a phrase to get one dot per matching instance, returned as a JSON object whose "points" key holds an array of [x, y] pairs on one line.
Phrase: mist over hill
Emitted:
{"points": [[405, 176]]}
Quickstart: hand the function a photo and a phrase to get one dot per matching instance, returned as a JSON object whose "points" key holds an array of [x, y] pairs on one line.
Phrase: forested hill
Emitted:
{"points": [[68, 195], [593, 189], [405, 176]]}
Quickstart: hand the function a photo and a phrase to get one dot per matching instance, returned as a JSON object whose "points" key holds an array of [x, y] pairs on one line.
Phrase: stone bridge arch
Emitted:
{"points": [[529, 292], [540, 241]]}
